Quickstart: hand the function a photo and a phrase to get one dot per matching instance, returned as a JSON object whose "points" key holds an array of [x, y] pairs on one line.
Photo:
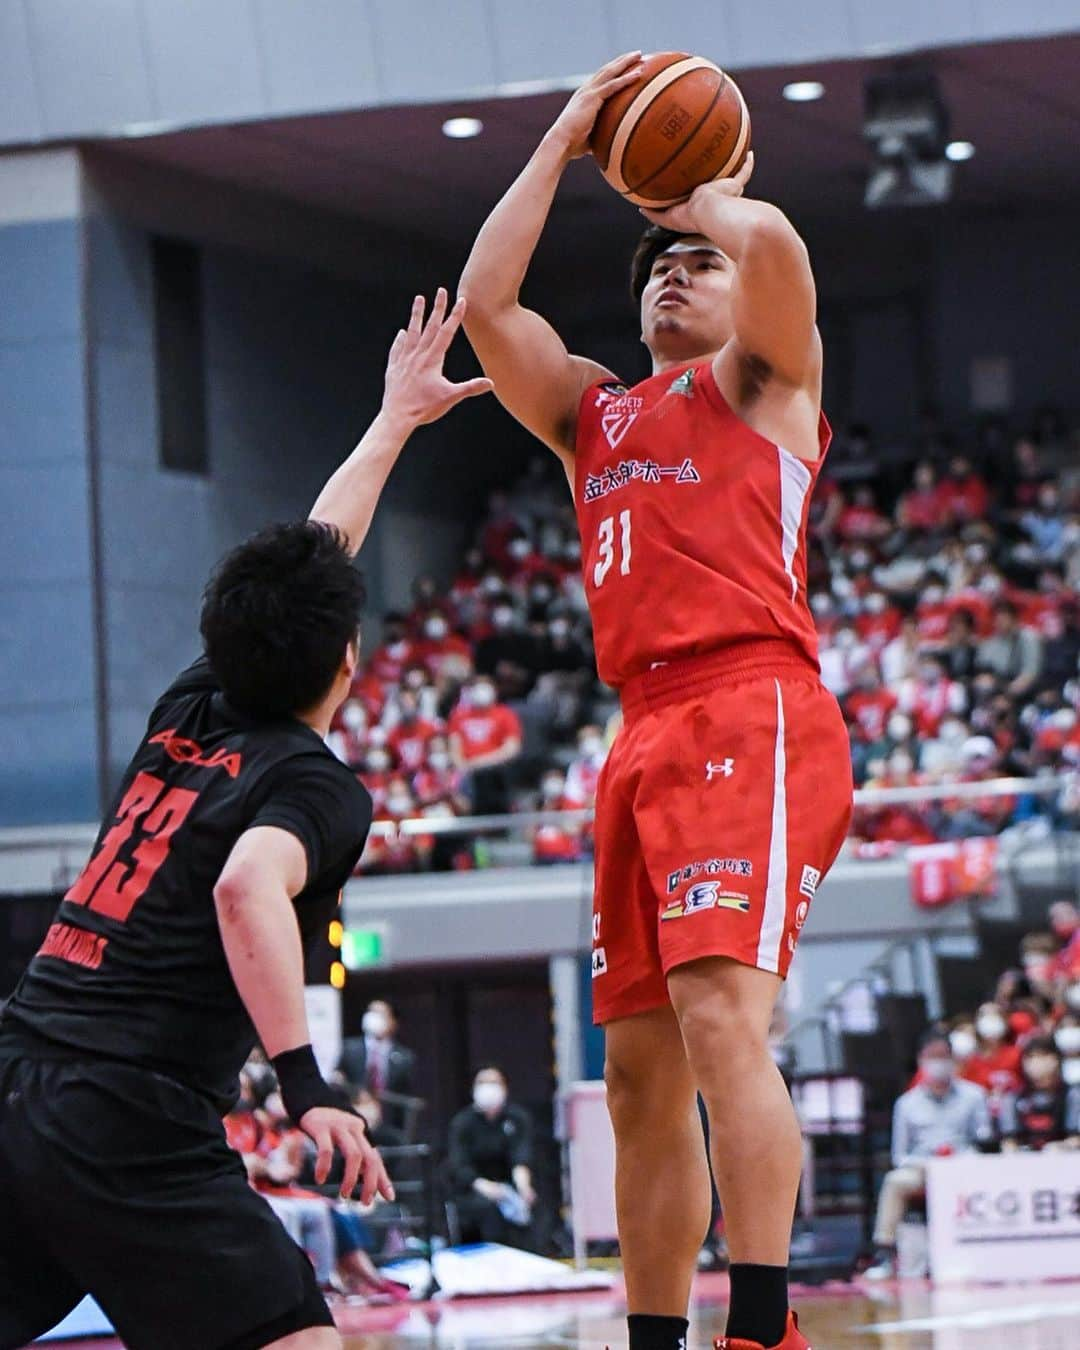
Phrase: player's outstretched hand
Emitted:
{"points": [[416, 391], [690, 217], [573, 126], [342, 1132]]}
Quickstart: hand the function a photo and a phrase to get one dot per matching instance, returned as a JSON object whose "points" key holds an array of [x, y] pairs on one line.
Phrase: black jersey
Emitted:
{"points": [[133, 967]]}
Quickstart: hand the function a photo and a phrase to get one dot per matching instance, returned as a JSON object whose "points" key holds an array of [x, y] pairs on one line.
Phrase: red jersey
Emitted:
{"points": [[483, 730], [693, 526], [408, 742]]}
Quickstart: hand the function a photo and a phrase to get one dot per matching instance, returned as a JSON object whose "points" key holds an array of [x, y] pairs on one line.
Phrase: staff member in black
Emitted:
{"points": [[490, 1165], [224, 851]]}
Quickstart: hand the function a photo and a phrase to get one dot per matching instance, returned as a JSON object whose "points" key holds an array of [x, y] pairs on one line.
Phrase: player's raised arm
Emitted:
{"points": [[416, 392], [536, 379], [773, 298]]}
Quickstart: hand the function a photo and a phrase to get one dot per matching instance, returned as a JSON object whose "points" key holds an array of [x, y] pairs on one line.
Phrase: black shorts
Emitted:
{"points": [[118, 1182]]}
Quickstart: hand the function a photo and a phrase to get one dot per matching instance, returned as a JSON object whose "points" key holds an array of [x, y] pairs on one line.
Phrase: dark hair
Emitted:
{"points": [[653, 242], [1040, 1045], [937, 1035], [277, 614]]}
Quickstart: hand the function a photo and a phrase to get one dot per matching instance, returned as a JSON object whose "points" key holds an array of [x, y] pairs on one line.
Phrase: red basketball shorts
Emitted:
{"points": [[723, 803]]}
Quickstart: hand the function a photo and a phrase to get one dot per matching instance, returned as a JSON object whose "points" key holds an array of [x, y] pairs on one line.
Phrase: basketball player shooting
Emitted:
{"points": [[727, 793], [222, 856]]}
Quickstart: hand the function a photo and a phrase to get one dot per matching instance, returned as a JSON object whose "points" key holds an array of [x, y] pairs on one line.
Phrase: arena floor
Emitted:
{"points": [[911, 1316]]}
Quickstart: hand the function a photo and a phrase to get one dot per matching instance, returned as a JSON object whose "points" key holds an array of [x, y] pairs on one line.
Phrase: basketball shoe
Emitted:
{"points": [[793, 1340]]}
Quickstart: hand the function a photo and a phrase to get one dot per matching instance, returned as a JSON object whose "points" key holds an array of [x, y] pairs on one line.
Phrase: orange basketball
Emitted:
{"points": [[683, 123]]}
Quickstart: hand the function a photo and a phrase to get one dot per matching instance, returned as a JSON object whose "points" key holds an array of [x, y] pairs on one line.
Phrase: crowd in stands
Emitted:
{"points": [[1005, 1077], [944, 589]]}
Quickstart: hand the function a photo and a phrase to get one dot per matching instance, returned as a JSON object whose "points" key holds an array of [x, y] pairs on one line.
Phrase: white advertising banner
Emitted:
{"points": [[587, 1128], [1013, 1216]]}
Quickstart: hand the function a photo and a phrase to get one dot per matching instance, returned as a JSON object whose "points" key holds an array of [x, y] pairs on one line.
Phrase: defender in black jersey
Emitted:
{"points": [[225, 850]]}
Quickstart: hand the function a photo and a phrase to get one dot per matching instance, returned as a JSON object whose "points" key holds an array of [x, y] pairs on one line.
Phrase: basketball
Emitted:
{"points": [[683, 123]]}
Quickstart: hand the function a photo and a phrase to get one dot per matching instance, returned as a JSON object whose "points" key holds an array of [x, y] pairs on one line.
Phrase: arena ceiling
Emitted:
{"points": [[1017, 102]]}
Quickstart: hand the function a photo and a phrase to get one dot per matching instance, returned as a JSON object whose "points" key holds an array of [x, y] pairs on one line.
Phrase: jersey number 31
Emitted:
{"points": [[607, 547]]}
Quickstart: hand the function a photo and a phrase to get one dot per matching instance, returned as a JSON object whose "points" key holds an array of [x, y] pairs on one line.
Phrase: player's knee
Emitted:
{"points": [[311, 1338], [721, 1040], [627, 1088]]}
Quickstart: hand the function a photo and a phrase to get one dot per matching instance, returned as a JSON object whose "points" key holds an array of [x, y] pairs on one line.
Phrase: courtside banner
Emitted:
{"points": [[1013, 1216]]}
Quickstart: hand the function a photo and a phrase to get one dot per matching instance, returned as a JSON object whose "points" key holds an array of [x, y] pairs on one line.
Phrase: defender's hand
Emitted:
{"points": [[416, 391], [691, 216], [332, 1130], [573, 126]]}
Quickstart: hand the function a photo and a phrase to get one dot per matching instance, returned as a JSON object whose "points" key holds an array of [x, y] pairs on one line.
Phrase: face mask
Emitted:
{"points": [[435, 629], [990, 584], [821, 604], [963, 1044], [933, 595], [483, 696], [1038, 1067], [875, 603], [845, 639], [572, 552], [397, 648], [375, 1023], [541, 594], [552, 789], [519, 549], [378, 762], [937, 1070], [990, 1028], [1072, 997], [502, 618], [899, 728], [860, 560], [439, 759], [399, 805], [901, 765], [560, 628], [591, 746], [929, 674], [489, 1096], [1070, 1071], [1067, 1040], [491, 585], [354, 717], [953, 733]]}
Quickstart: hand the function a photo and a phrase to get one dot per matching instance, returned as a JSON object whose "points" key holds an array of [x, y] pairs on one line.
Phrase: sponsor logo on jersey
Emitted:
{"points": [[801, 911], [619, 416], [684, 385], [607, 392], [725, 767], [736, 867], [809, 883], [599, 963], [77, 945], [185, 751], [596, 927], [707, 895], [598, 485]]}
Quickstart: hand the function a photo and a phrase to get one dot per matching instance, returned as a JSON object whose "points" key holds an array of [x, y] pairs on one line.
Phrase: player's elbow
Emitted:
{"points": [[234, 891]]}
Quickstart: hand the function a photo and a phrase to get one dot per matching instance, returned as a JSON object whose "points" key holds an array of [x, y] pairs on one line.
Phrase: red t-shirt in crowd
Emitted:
{"points": [[965, 499], [408, 742], [435, 652], [998, 1070], [878, 630], [922, 509], [388, 663], [484, 730], [871, 708]]}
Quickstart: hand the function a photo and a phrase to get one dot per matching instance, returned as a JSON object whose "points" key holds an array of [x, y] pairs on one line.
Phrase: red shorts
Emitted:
{"points": [[723, 803]]}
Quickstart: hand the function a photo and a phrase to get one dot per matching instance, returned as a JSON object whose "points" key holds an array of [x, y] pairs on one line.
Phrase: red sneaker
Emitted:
{"points": [[793, 1340]]}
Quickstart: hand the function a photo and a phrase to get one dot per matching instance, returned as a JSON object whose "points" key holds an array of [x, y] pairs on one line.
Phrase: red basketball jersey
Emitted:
{"points": [[693, 526]]}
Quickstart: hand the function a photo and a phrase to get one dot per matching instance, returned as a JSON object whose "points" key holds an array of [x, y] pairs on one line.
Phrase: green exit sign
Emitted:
{"points": [[362, 947]]}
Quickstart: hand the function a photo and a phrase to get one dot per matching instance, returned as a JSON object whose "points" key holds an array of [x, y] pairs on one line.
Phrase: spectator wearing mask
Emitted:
{"points": [[509, 655], [1064, 919], [842, 660], [1045, 526], [942, 1115], [870, 705], [930, 696], [444, 654], [878, 623], [934, 612], [1013, 654], [437, 779], [944, 755], [501, 527], [861, 521], [1038, 957], [485, 737], [411, 735], [556, 842], [377, 770], [900, 822], [995, 1065], [394, 653], [490, 1165], [900, 657], [1045, 1112], [349, 740], [376, 1060], [583, 775]]}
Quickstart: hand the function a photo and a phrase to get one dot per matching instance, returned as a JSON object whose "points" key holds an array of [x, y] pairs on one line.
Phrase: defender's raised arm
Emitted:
{"points": [[536, 379]]}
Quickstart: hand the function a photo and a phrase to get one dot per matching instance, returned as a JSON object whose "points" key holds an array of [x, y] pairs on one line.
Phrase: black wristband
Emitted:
{"points": [[303, 1086]]}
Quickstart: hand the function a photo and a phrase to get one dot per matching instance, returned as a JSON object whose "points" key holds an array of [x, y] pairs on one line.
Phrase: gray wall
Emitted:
{"points": [[47, 690], [88, 67]]}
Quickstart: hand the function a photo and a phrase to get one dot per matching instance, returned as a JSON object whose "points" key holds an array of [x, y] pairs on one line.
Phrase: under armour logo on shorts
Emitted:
{"points": [[725, 767]]}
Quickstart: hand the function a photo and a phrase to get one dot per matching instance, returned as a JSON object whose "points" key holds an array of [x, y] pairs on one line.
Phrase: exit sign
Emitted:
{"points": [[362, 947]]}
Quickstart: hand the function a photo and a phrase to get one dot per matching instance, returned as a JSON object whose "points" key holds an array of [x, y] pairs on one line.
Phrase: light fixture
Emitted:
{"points": [[958, 151], [461, 128], [803, 91]]}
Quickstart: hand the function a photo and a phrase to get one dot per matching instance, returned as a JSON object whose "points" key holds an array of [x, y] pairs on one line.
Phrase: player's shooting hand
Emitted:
{"points": [[573, 126], [691, 216], [342, 1132], [416, 391]]}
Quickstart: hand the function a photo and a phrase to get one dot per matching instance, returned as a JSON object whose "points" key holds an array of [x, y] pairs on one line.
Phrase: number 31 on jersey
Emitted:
{"points": [[607, 547]]}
